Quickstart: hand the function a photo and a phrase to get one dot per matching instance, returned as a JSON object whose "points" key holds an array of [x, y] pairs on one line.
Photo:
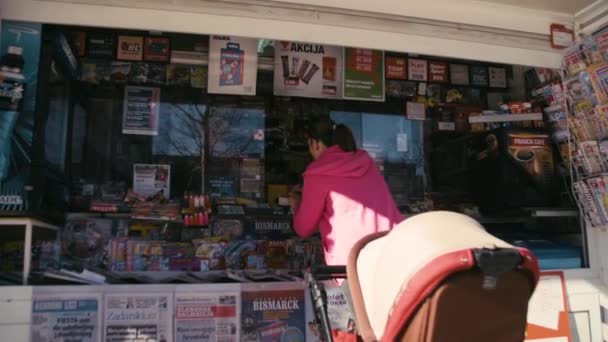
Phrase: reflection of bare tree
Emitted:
{"points": [[192, 126], [187, 136], [228, 134]]}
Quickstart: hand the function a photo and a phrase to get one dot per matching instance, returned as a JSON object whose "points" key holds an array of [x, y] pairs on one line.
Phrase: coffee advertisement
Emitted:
{"points": [[233, 65], [307, 70], [534, 153]]}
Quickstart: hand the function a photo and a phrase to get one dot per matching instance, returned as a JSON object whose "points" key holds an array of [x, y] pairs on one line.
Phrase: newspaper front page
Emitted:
{"points": [[206, 317], [138, 318]]}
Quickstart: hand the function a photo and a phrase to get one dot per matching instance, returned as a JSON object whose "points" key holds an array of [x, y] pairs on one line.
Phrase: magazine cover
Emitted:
{"points": [[598, 193], [273, 316], [590, 208], [591, 151], [599, 79], [338, 309]]}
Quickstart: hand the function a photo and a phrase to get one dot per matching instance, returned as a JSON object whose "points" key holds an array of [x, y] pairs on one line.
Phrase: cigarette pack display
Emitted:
{"points": [[178, 74], [157, 74], [139, 73], [589, 206], [198, 77], [101, 45], [120, 72]]}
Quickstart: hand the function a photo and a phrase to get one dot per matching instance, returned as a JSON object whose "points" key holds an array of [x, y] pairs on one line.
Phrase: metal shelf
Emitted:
{"points": [[505, 118]]}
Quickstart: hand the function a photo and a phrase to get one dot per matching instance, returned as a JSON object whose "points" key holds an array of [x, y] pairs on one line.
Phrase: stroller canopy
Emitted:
{"points": [[386, 266]]}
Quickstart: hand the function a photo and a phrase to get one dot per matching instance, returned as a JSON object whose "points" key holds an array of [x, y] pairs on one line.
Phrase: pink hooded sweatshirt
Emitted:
{"points": [[346, 198]]}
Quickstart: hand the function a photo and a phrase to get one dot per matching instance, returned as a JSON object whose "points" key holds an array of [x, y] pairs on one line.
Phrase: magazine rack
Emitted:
{"points": [[9, 227]]}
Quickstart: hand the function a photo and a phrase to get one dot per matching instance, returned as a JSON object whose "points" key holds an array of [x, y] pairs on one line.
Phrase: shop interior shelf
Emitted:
{"points": [[505, 118], [31, 227]]}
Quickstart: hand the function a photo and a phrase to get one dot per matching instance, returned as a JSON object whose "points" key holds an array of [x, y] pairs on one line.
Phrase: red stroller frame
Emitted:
{"points": [[476, 293]]}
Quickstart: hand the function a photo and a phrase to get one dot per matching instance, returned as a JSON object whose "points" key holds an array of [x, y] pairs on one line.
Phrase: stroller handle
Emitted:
{"points": [[328, 272]]}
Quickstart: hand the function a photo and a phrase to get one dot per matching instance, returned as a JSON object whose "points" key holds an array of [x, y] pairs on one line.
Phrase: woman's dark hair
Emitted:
{"points": [[330, 134]]}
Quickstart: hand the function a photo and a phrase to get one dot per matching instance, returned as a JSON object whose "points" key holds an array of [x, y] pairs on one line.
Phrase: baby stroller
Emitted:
{"points": [[436, 277]]}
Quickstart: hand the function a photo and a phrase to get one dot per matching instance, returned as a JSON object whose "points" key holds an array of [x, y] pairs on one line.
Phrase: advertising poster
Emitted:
{"points": [[138, 317], [273, 316], [534, 152], [548, 318], [417, 69], [415, 111], [66, 318], [438, 72], [459, 74], [498, 77], [206, 317], [21, 44], [479, 76], [130, 48], [233, 65], [157, 49], [100, 45], [396, 68], [140, 112], [307, 70], [150, 179], [363, 74]]}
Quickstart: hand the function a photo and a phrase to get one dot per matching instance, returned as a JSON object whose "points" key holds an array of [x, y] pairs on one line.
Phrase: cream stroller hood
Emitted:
{"points": [[409, 248]]}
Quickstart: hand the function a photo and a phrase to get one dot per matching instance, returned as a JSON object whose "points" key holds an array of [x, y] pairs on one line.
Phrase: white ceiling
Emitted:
{"points": [[564, 6]]}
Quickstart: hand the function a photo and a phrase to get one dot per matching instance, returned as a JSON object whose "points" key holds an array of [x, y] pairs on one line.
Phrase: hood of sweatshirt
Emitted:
{"points": [[335, 162]]}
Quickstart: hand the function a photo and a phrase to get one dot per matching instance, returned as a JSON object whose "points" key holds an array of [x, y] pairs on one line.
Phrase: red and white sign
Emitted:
{"points": [[548, 310], [438, 72], [417, 69], [396, 68]]}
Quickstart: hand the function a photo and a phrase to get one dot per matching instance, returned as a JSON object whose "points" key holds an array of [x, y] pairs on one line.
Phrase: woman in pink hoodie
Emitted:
{"points": [[344, 195]]}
